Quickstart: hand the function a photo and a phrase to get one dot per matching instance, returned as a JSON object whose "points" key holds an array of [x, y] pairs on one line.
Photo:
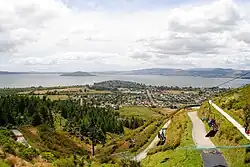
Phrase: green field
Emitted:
{"points": [[91, 91], [139, 111], [228, 135], [179, 134], [53, 97]]}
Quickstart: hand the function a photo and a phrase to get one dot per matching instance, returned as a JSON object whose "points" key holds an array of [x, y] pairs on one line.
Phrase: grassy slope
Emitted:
{"points": [[59, 143], [179, 131], [142, 135], [233, 102], [227, 135], [139, 111]]}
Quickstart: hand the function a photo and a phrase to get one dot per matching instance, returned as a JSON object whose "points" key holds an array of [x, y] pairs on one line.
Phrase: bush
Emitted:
{"points": [[8, 148], [66, 162], [247, 158], [104, 159], [48, 156], [4, 131], [129, 163], [28, 153]]}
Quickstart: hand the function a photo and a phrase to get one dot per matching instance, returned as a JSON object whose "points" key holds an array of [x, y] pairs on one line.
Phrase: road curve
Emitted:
{"points": [[143, 154], [209, 158]]}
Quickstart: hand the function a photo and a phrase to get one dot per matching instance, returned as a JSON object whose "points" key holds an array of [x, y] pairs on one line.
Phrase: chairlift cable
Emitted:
{"points": [[238, 77], [225, 147]]}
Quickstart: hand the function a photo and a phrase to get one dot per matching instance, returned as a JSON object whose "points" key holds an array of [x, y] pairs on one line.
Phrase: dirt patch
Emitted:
{"points": [[17, 162], [167, 110], [40, 91], [125, 145], [33, 130]]}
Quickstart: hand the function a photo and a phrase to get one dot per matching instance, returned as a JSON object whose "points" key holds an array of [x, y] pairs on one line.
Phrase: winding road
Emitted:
{"points": [[143, 154], [210, 159]]}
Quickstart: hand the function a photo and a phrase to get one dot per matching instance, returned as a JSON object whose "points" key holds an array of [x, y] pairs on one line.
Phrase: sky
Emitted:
{"points": [[104, 35]]}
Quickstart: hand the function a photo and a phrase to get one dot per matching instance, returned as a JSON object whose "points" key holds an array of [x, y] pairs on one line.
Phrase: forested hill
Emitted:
{"points": [[40, 118]]}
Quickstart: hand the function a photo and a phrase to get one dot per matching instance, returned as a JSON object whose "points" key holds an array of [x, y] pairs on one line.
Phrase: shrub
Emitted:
{"points": [[48, 156], [129, 163], [247, 157], [7, 147], [4, 131], [66, 162], [104, 159], [28, 153]]}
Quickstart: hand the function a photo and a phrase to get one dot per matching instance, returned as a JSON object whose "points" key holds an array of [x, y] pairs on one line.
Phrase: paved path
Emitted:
{"points": [[210, 159], [143, 154], [230, 119]]}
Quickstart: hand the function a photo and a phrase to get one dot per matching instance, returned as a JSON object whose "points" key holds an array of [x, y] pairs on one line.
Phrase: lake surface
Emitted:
{"points": [[28, 80]]}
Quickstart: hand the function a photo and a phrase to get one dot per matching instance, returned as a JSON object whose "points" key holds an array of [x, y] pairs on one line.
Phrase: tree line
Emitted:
{"points": [[88, 120], [20, 110]]}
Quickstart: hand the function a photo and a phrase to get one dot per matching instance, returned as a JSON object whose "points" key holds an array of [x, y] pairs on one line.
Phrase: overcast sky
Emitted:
{"points": [[102, 35]]}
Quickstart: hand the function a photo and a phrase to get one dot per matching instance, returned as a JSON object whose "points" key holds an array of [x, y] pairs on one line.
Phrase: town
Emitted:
{"points": [[125, 93]]}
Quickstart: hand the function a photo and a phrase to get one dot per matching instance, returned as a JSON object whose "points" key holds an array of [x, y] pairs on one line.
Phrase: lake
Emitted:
{"points": [[28, 80]]}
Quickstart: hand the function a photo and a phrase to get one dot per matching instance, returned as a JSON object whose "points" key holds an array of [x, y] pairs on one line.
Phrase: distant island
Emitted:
{"points": [[78, 73]]}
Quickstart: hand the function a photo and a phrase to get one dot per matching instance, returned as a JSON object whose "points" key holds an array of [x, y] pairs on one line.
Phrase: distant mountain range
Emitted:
{"points": [[196, 72]]}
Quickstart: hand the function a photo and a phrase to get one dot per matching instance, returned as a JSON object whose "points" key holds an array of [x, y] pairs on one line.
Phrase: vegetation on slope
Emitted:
{"points": [[237, 104], [71, 128], [139, 111], [59, 143], [20, 110], [228, 135], [87, 122], [142, 134], [179, 134]]}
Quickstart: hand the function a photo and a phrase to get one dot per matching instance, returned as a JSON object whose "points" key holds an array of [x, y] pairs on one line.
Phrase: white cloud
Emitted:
{"points": [[48, 35]]}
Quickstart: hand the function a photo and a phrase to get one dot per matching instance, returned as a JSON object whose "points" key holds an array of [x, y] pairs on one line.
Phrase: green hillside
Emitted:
{"points": [[179, 134], [236, 103]]}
